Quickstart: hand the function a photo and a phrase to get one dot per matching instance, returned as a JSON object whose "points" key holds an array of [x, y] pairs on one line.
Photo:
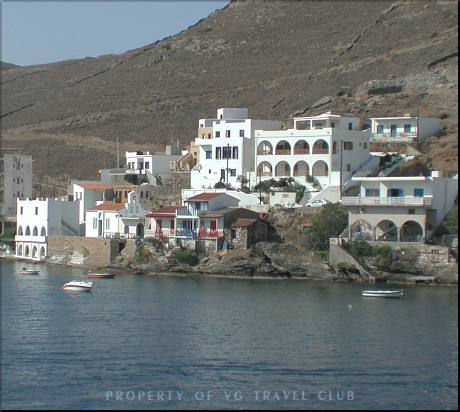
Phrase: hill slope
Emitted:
{"points": [[276, 58]]}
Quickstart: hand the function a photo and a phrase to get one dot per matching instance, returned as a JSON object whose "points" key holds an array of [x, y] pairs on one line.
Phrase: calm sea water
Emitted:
{"points": [[140, 342]]}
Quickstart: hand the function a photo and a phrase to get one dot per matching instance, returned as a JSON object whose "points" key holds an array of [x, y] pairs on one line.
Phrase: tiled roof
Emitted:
{"points": [[109, 206], [243, 222], [203, 196], [95, 186], [168, 211]]}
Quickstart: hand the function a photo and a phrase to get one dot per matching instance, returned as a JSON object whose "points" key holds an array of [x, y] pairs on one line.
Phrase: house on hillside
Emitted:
{"points": [[40, 218], [404, 129], [246, 232], [327, 149], [399, 209], [200, 223], [226, 148]]}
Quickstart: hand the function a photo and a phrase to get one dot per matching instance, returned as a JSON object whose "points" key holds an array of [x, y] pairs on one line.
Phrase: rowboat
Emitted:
{"points": [[100, 275], [383, 293], [25, 271], [78, 286]]}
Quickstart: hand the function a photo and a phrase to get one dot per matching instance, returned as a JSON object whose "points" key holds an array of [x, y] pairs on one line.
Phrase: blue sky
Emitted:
{"points": [[37, 32]]}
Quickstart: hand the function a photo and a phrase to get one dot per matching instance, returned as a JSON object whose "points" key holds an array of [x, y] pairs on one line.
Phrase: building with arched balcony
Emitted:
{"points": [[40, 218], [328, 147], [399, 209]]}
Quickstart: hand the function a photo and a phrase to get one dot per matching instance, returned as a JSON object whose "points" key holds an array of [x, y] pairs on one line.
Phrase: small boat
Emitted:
{"points": [[79, 286], [100, 275], [25, 271], [383, 293]]}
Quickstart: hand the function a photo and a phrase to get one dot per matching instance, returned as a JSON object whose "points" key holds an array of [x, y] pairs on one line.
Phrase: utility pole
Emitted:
{"points": [[228, 156], [118, 154], [341, 160]]}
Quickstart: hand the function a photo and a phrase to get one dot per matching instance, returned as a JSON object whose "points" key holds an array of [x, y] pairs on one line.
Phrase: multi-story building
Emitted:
{"points": [[226, 148], [404, 208], [330, 148], [15, 183], [404, 129], [40, 218]]}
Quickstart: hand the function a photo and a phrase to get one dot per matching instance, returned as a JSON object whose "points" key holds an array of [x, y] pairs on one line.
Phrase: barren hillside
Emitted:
{"points": [[276, 58]]}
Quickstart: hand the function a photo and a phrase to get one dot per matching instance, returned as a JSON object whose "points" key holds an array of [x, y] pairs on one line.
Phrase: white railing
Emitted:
{"points": [[387, 201]]}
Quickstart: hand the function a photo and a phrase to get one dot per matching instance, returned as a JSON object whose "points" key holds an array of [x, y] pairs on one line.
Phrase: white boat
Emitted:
{"points": [[383, 293], [25, 271], [79, 286]]}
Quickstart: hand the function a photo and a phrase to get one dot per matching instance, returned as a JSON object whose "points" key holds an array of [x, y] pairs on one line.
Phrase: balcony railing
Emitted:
{"points": [[320, 151], [388, 201], [214, 233], [264, 152], [301, 151]]}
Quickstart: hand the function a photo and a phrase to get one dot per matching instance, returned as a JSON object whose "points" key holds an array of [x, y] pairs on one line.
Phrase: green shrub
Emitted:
{"points": [[361, 248], [8, 234], [186, 256], [384, 256], [141, 255]]}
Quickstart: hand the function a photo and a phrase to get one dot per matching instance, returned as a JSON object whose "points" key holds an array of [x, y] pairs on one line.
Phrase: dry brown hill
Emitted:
{"points": [[276, 58]]}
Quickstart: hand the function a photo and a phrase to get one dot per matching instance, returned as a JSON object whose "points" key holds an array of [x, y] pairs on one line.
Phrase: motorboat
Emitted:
{"points": [[100, 275], [25, 271], [383, 293], [78, 286]]}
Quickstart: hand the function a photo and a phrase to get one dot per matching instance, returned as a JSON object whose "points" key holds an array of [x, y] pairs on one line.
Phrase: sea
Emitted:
{"points": [[192, 342]]}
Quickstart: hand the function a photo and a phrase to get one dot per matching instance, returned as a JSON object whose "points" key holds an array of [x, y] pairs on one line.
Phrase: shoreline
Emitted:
{"points": [[138, 272]]}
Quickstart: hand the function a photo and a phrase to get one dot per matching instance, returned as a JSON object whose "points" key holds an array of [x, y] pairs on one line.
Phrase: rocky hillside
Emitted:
{"points": [[276, 58]]}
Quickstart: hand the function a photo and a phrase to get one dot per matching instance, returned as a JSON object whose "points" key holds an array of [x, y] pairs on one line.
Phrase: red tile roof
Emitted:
{"points": [[109, 206], [243, 222], [168, 211], [95, 186], [203, 196]]}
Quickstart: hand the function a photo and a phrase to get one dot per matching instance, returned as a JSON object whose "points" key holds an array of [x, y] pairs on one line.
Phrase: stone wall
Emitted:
{"points": [[90, 251]]}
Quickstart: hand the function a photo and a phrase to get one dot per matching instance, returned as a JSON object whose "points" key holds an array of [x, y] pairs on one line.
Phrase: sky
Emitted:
{"points": [[38, 32]]}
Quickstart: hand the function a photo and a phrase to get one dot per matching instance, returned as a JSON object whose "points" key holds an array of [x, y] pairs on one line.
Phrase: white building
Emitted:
{"points": [[404, 129], [226, 148], [330, 148], [37, 219], [146, 164], [117, 220], [15, 183], [406, 209]]}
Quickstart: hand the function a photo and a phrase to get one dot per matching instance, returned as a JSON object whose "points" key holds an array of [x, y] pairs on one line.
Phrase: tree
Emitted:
{"points": [[242, 180], [331, 221]]}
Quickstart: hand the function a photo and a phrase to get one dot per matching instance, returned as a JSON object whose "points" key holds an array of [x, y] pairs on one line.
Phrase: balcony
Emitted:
{"points": [[210, 233], [388, 201], [301, 151]]}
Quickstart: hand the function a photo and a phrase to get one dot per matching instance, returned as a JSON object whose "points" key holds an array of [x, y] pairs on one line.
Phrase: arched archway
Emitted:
{"points": [[20, 231], [27, 231], [140, 230], [283, 169], [362, 230], [320, 147], [264, 148], [35, 231], [386, 230], [264, 169], [26, 251], [43, 231], [320, 168], [19, 250], [411, 231], [42, 252], [283, 148], [301, 169], [301, 147], [34, 252]]}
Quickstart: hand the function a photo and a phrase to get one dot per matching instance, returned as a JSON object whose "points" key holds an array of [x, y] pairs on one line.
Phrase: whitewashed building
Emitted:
{"points": [[404, 129], [405, 209], [226, 148], [329, 147], [39, 218], [15, 183]]}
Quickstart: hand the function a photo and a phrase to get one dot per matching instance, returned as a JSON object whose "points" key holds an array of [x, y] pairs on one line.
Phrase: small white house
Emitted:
{"points": [[102, 220], [404, 129], [40, 218]]}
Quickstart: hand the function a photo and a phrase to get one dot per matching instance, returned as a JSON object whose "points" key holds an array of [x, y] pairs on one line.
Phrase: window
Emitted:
{"points": [[394, 193], [94, 222], [365, 145], [332, 124], [235, 152], [218, 153], [217, 134], [380, 129], [347, 145], [350, 126], [107, 223], [36, 210], [232, 172], [147, 165], [208, 154], [407, 128], [227, 152], [348, 167], [418, 192], [227, 133], [411, 211], [241, 133], [372, 192], [22, 210]]}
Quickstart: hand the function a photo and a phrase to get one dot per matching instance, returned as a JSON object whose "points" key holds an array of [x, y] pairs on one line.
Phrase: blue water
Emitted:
{"points": [[140, 342]]}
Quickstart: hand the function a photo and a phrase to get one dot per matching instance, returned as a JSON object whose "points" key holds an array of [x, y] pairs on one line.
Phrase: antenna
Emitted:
{"points": [[118, 154]]}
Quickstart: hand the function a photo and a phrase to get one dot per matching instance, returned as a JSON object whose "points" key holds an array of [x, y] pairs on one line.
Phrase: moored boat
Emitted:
{"points": [[25, 271], [383, 293], [100, 275], [78, 286]]}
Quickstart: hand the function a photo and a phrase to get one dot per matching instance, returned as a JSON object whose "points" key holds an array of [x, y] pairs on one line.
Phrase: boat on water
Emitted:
{"points": [[383, 293], [78, 286], [25, 271], [100, 275]]}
